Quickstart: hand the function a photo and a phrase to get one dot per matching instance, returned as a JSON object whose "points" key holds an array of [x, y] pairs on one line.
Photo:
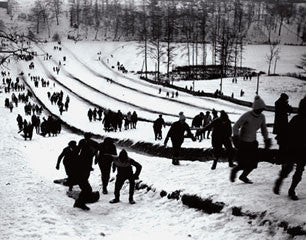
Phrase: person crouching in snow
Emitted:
{"points": [[123, 164], [245, 140], [176, 133]]}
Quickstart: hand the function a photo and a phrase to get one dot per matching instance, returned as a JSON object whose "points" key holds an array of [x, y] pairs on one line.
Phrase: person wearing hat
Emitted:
{"points": [[244, 139], [176, 133], [69, 156], [280, 128], [296, 146]]}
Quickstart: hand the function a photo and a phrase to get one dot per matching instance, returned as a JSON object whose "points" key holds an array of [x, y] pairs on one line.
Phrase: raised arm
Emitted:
{"points": [[59, 159]]}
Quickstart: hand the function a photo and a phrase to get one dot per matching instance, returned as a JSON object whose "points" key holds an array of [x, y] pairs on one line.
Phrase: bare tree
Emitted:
{"points": [[55, 6], [156, 49], [12, 45], [273, 52], [37, 14]]}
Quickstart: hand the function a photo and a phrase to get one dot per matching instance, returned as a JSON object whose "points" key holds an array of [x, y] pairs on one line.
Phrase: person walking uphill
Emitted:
{"points": [[123, 164], [244, 139], [221, 135], [176, 133], [87, 150], [69, 156], [296, 151], [282, 109], [105, 161], [157, 127]]}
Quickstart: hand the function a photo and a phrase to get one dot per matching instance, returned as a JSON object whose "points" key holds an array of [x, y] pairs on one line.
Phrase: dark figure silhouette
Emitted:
{"points": [[105, 161], [176, 133], [87, 150], [157, 127], [296, 146], [221, 135], [69, 156], [280, 128], [123, 164]]}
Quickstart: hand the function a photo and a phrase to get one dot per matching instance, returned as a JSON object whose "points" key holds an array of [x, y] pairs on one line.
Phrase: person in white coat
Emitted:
{"points": [[245, 140]]}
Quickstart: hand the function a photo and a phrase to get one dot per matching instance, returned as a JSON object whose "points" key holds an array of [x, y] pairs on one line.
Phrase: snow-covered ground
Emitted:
{"points": [[33, 207]]}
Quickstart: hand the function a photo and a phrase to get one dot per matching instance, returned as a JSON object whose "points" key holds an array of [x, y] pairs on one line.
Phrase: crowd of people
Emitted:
{"points": [[57, 98], [32, 111], [78, 161], [113, 121], [240, 141], [290, 136]]}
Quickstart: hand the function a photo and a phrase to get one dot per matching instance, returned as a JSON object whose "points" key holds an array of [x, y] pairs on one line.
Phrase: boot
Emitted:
{"points": [[277, 186], [175, 162], [115, 200], [292, 195], [245, 180], [77, 204], [233, 174], [213, 167], [105, 190], [131, 200]]}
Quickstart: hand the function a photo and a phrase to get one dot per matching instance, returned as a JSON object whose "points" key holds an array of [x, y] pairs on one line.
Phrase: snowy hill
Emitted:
{"points": [[33, 207], [22, 19]]}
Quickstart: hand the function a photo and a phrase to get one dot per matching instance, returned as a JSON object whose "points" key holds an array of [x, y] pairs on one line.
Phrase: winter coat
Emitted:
{"points": [[70, 160], [248, 124], [158, 123], [88, 149], [177, 131], [105, 149], [282, 108], [124, 168], [297, 138], [222, 129], [197, 121], [207, 120]]}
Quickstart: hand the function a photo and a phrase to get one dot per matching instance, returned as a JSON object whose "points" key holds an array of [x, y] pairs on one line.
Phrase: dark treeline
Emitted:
{"points": [[157, 24]]}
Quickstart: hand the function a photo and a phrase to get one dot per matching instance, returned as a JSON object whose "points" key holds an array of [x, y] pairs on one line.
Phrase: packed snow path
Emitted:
{"points": [[35, 208]]}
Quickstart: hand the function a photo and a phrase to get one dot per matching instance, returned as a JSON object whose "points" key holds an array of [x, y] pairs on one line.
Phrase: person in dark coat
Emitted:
{"points": [[87, 150], [105, 161], [207, 120], [69, 156], [123, 164], [134, 119], [89, 114], [157, 127], [119, 117], [176, 133], [19, 121], [282, 109], [221, 135], [197, 122], [296, 146]]}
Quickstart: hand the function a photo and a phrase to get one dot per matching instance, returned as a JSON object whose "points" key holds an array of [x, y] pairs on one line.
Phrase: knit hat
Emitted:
{"points": [[258, 103], [182, 116]]}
